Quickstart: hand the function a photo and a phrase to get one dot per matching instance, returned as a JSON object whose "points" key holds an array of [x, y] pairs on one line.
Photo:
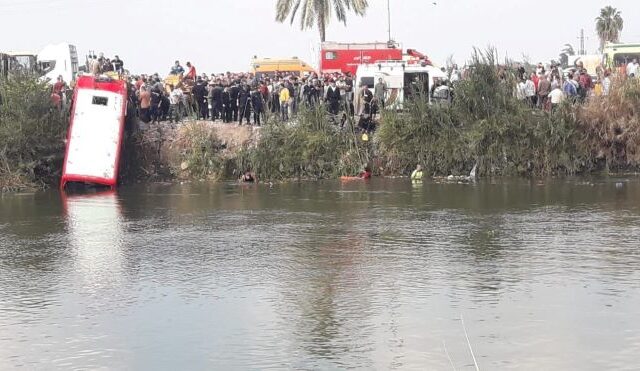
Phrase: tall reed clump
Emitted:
{"points": [[310, 146], [484, 125], [612, 125], [32, 134], [200, 151]]}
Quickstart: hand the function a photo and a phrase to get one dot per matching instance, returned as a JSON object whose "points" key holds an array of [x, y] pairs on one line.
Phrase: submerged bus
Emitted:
{"points": [[96, 130]]}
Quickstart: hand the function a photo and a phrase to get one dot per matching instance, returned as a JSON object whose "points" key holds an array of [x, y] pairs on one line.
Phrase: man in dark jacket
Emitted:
{"points": [[216, 102], [244, 103], [234, 90], [257, 101], [227, 115], [200, 96], [156, 98], [333, 98]]}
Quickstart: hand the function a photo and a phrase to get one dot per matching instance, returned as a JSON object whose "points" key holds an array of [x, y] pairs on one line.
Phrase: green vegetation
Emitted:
{"points": [[200, 151], [310, 147], [485, 125], [32, 134], [612, 126]]}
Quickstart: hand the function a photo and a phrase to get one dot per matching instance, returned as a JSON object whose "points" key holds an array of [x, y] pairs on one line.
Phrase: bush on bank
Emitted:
{"points": [[612, 126], [311, 146], [485, 125], [32, 134]]}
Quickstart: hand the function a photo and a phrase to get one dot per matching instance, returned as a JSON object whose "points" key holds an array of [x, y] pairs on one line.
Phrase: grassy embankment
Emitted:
{"points": [[485, 125]]}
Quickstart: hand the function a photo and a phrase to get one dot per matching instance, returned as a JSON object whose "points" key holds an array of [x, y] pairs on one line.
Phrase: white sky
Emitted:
{"points": [[223, 35]]}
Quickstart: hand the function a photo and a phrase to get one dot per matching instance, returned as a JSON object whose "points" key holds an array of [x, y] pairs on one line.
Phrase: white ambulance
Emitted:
{"points": [[401, 79]]}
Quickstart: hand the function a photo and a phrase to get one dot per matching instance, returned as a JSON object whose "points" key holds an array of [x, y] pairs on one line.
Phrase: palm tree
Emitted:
{"points": [[318, 12], [609, 25], [568, 50]]}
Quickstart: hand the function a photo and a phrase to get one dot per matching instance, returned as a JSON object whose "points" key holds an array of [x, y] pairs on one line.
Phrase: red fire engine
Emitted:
{"points": [[346, 57]]}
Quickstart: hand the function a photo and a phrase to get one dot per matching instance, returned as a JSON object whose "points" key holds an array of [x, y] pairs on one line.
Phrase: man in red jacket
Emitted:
{"points": [[191, 72], [586, 84]]}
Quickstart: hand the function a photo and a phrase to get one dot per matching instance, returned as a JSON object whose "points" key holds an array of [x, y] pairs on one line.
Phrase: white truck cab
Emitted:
{"points": [[58, 60], [401, 79]]}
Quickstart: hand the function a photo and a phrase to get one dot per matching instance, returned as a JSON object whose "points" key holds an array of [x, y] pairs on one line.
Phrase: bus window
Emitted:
{"points": [[622, 59], [368, 81]]}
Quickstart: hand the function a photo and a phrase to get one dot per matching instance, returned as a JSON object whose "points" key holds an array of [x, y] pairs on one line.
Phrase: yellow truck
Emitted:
{"points": [[268, 66], [619, 55]]}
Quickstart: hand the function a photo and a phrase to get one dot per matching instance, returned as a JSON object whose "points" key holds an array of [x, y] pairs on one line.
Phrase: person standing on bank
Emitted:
{"points": [[333, 98], [227, 115], [244, 100], [200, 95], [145, 104], [379, 93], [234, 90], [258, 106], [284, 102]]}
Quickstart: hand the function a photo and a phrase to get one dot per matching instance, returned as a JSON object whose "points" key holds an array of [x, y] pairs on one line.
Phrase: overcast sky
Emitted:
{"points": [[223, 35]]}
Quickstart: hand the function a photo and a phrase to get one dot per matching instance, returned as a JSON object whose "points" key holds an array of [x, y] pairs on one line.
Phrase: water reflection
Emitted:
{"points": [[96, 235]]}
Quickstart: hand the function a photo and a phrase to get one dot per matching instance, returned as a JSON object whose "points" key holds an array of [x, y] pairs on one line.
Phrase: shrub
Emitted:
{"points": [[485, 125], [32, 134], [312, 146]]}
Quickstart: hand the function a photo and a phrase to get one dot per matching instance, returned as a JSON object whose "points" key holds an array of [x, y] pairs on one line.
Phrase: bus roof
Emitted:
{"points": [[272, 65], [330, 45], [621, 46]]}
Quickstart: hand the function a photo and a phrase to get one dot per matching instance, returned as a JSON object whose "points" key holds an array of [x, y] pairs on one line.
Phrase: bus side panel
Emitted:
{"points": [[95, 137]]}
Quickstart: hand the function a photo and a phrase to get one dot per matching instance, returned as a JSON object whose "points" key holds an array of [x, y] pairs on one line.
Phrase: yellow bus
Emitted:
{"points": [[268, 66], [619, 55]]}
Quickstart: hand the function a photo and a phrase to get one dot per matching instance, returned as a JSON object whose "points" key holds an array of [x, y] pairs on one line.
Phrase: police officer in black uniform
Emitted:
{"points": [[244, 101], [200, 94], [257, 102], [234, 90]]}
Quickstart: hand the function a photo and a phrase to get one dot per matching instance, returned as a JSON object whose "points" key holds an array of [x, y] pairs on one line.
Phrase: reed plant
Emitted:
{"points": [[312, 145], [485, 125], [612, 125], [32, 133]]}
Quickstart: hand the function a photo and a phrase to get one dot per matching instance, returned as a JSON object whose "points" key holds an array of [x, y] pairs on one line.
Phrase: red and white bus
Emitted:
{"points": [[96, 130]]}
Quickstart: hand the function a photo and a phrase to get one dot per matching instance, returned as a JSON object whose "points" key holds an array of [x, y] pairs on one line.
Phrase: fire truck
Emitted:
{"points": [[346, 57]]}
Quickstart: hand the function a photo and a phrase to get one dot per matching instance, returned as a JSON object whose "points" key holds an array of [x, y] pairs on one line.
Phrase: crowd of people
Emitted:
{"points": [[547, 88], [247, 98]]}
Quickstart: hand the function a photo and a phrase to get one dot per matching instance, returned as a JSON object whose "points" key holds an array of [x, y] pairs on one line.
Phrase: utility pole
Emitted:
{"points": [[389, 19], [582, 51]]}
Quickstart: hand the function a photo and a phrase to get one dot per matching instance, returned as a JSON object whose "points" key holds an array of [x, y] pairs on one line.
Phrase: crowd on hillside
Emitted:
{"points": [[247, 97], [547, 88]]}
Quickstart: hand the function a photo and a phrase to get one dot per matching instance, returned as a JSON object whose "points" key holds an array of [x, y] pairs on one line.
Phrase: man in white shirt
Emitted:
{"points": [[606, 84], [530, 91], [175, 97], [632, 68], [556, 96]]}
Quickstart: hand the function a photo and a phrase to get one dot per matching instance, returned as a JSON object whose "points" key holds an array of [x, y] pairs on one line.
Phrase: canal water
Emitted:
{"points": [[518, 274]]}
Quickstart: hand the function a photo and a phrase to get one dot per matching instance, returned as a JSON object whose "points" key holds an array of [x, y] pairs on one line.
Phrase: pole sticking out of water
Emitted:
{"points": [[475, 363], [444, 344]]}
